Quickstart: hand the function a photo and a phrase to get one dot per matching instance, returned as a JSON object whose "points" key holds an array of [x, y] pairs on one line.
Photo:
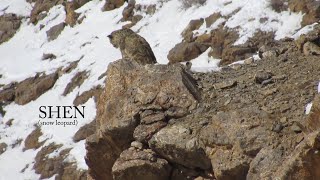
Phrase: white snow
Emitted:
{"points": [[308, 108], [88, 42], [19, 7], [319, 87]]}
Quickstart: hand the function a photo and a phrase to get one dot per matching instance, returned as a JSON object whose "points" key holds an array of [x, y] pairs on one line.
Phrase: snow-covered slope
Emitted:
{"points": [[87, 42]]}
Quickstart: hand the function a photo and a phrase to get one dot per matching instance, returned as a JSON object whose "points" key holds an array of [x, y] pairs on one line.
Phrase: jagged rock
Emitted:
{"points": [[212, 18], [309, 7], [130, 90], [179, 144], [204, 38], [48, 56], [31, 88], [7, 94], [76, 81], [71, 172], [85, 131], [3, 148], [9, 122], [46, 166], [310, 48], [193, 25], [144, 165], [55, 31], [49, 166], [40, 7], [71, 15], [85, 96], [185, 51], [9, 24], [69, 68], [32, 140], [112, 4]]}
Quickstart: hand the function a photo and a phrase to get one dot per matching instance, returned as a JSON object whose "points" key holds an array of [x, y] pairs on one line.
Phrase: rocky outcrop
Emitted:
{"points": [[31, 88], [32, 140], [7, 94], [9, 24], [55, 31], [71, 15], [56, 165], [112, 4], [220, 125], [76, 81], [40, 9], [28, 89], [85, 131], [135, 94], [85, 96], [193, 25]]}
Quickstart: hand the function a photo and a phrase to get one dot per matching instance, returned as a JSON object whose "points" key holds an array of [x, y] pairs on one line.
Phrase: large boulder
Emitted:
{"points": [[179, 143], [186, 51], [132, 93]]}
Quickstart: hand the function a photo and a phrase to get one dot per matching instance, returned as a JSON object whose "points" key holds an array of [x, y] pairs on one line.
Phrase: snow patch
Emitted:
{"points": [[308, 108]]}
